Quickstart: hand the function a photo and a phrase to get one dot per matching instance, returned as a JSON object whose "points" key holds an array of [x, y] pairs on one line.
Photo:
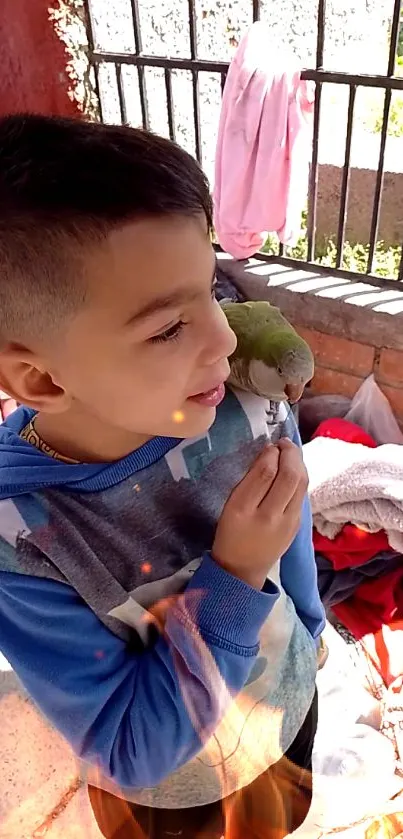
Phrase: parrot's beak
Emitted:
{"points": [[294, 392]]}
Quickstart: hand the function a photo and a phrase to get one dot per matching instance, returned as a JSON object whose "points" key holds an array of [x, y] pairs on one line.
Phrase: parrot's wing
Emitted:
{"points": [[266, 381], [257, 378], [239, 319], [259, 328], [239, 376]]}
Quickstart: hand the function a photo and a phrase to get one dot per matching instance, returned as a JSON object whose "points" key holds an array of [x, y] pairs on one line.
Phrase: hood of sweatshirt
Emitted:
{"points": [[24, 469]]}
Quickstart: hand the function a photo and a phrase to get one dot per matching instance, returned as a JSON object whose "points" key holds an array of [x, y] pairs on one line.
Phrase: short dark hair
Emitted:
{"points": [[65, 183]]}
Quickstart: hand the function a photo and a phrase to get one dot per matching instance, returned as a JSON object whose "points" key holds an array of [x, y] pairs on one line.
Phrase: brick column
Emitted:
{"points": [[32, 60]]}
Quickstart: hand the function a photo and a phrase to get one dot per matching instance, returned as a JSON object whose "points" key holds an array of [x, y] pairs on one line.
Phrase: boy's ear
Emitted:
{"points": [[23, 376]]}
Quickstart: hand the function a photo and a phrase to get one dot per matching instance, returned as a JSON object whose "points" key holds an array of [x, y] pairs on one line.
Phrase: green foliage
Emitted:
{"points": [[395, 125], [355, 257], [400, 41]]}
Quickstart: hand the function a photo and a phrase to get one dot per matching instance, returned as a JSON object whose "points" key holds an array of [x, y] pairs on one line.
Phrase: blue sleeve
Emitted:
{"points": [[138, 717], [298, 570]]}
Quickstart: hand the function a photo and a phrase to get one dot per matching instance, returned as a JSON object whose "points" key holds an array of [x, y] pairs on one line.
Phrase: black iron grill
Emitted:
{"points": [[388, 83]]}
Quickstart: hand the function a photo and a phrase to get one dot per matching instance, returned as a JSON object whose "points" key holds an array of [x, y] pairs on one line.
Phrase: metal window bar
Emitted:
{"points": [[313, 181], [121, 94], [170, 104], [318, 75], [322, 76], [385, 120], [143, 98], [256, 10], [400, 274], [196, 112], [140, 69], [195, 78], [91, 52], [136, 26], [346, 179]]}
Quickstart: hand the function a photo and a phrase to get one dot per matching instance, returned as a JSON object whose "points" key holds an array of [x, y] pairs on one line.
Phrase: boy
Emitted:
{"points": [[142, 522]]}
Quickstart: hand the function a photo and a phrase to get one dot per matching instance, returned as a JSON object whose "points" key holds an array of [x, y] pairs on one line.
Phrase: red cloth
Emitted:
{"points": [[385, 651], [351, 546], [376, 602], [374, 614], [340, 429]]}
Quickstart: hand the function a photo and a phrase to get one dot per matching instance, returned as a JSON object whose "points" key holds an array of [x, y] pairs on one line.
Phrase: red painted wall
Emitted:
{"points": [[32, 60]]}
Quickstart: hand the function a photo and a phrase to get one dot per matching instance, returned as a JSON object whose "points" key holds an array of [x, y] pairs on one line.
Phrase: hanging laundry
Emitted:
{"points": [[263, 147]]}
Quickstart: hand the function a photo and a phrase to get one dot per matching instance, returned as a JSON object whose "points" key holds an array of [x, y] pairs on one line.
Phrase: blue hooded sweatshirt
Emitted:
{"points": [[125, 632]]}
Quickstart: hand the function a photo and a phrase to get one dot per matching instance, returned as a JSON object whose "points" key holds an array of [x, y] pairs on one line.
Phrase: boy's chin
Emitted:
{"points": [[197, 423]]}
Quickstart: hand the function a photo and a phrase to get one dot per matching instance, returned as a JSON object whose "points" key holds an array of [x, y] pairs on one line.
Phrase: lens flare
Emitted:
{"points": [[178, 416], [146, 568], [236, 753]]}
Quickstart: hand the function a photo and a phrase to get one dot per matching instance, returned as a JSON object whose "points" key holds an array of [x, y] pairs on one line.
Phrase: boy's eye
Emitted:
{"points": [[175, 330], [169, 334]]}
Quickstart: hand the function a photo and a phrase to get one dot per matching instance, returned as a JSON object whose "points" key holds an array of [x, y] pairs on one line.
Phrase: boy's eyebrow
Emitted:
{"points": [[160, 303], [175, 298]]}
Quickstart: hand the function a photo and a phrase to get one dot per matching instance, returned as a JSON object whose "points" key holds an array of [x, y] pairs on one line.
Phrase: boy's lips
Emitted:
{"points": [[210, 398]]}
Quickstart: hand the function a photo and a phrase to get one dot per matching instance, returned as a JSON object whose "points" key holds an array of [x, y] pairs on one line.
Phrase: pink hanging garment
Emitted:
{"points": [[263, 147]]}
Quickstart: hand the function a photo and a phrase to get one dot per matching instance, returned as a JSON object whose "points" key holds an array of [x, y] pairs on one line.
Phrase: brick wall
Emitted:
{"points": [[353, 329], [342, 365]]}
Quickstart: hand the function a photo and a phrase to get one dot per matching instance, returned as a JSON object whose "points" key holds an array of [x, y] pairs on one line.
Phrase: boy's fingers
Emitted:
{"points": [[257, 482], [294, 508], [293, 511], [291, 475], [7, 407], [285, 443]]}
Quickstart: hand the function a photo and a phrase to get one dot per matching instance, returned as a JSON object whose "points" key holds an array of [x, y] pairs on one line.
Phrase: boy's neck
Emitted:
{"points": [[86, 439]]}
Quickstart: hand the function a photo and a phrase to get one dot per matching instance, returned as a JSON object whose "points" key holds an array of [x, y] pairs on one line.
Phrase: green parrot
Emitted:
{"points": [[271, 359]]}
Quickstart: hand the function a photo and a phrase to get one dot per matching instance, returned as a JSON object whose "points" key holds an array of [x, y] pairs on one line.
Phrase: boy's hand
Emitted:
{"points": [[262, 514]]}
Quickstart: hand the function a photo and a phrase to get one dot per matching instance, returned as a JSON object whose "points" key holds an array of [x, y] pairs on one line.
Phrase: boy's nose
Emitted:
{"points": [[232, 342]]}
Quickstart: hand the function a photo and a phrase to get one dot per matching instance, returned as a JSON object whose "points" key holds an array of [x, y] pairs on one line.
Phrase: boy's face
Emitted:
{"points": [[150, 338]]}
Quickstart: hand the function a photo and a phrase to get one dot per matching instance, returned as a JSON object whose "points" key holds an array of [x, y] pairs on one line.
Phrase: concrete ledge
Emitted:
{"points": [[326, 303]]}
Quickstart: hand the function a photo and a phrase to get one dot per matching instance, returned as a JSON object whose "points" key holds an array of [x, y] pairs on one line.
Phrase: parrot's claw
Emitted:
{"points": [[272, 412]]}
